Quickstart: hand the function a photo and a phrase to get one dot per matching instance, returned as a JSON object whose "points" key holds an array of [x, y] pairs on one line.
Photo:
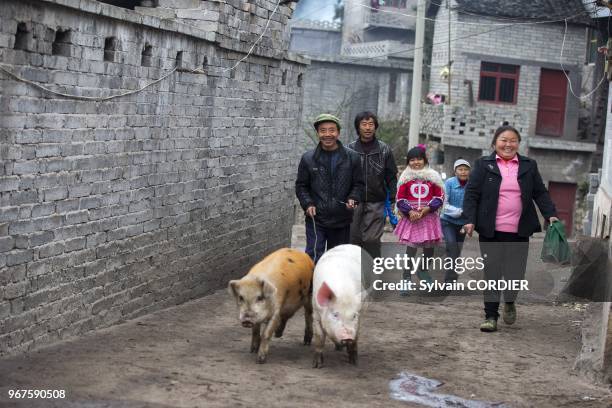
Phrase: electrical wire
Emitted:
{"points": [[107, 98], [79, 97], [474, 23], [461, 11], [357, 60], [571, 88]]}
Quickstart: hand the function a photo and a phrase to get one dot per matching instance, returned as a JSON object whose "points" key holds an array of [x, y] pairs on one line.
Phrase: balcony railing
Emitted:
{"points": [[470, 127], [390, 17], [379, 49]]}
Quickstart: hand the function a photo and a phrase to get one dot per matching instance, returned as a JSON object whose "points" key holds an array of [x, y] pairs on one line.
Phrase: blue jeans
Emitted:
{"points": [[323, 237], [454, 243]]}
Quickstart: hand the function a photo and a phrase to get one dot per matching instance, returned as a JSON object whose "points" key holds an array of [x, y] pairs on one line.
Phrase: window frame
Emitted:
{"points": [[498, 76]]}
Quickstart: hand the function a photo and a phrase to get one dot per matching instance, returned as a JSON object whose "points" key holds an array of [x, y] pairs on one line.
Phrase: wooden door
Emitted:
{"points": [[551, 103], [564, 197]]}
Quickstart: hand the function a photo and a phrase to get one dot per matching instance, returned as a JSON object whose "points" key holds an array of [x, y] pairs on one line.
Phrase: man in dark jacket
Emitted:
{"points": [[329, 186], [380, 174]]}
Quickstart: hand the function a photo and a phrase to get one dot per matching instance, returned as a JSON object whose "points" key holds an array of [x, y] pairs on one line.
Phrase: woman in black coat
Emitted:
{"points": [[499, 204]]}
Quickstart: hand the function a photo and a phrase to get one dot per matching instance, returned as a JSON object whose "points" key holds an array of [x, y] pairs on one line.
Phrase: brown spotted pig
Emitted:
{"points": [[272, 291]]}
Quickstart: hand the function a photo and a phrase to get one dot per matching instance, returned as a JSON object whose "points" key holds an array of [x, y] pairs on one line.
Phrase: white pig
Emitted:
{"points": [[337, 300]]}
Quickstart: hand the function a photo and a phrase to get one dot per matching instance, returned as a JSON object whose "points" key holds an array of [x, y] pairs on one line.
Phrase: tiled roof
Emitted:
{"points": [[527, 9]]}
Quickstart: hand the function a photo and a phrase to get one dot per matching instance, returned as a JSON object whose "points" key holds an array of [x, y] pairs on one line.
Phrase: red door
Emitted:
{"points": [[551, 103], [564, 197]]}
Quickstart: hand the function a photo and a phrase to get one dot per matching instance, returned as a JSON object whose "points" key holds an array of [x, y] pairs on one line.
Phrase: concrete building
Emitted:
{"points": [[363, 63], [505, 69], [113, 208], [595, 359]]}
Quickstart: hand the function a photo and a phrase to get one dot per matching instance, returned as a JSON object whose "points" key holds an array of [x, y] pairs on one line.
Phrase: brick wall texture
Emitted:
{"points": [[346, 89], [531, 46], [110, 210]]}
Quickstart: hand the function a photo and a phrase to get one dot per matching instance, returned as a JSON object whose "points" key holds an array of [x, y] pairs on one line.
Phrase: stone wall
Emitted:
{"points": [[315, 37], [345, 87], [110, 210]]}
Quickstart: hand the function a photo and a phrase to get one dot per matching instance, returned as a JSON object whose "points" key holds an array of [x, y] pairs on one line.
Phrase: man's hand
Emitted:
{"points": [[311, 211], [469, 229], [350, 204], [552, 219], [424, 211]]}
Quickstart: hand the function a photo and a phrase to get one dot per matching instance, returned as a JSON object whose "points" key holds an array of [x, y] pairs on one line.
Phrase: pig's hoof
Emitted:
{"points": [[254, 348], [317, 362], [307, 339], [261, 358], [353, 358], [339, 347]]}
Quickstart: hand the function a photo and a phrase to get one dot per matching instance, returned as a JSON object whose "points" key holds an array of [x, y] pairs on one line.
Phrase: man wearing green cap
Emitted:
{"points": [[329, 186]]}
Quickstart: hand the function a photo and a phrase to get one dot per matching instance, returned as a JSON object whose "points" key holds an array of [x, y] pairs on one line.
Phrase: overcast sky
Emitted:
{"points": [[315, 10]]}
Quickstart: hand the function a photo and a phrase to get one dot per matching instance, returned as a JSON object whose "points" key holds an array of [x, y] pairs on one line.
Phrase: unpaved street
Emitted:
{"points": [[197, 355]]}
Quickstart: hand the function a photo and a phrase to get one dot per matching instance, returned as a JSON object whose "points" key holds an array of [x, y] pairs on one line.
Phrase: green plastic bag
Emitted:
{"points": [[555, 248]]}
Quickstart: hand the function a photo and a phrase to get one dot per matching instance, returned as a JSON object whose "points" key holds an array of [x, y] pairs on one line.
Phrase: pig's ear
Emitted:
{"points": [[232, 287], [324, 295], [268, 290]]}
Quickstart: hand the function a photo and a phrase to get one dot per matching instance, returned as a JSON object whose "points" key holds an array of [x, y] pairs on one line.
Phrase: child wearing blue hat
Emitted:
{"points": [[452, 215]]}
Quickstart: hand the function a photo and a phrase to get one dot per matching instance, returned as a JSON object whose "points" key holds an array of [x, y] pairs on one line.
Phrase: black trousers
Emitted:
{"points": [[322, 238], [505, 258], [411, 252]]}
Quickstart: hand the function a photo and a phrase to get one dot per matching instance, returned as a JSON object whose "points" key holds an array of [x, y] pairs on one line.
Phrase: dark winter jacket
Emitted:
{"points": [[316, 186], [482, 195], [379, 171]]}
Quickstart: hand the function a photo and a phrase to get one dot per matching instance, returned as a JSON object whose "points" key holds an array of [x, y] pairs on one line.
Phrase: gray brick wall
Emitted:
{"points": [[347, 88], [110, 210]]}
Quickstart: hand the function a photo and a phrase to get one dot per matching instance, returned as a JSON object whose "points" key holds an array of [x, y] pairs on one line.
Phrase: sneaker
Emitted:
{"points": [[489, 325], [509, 313], [424, 276]]}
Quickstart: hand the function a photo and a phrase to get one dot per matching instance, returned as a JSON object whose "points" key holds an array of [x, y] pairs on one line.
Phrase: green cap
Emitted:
{"points": [[327, 117]]}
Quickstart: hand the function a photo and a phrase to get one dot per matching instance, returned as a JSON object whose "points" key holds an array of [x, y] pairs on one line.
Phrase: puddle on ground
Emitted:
{"points": [[420, 390]]}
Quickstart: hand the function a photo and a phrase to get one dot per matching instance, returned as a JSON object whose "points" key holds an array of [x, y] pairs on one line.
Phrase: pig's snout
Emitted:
{"points": [[347, 342], [346, 336], [247, 320]]}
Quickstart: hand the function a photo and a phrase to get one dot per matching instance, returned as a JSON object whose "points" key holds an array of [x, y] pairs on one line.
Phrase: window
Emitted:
{"points": [[146, 56], [498, 82], [62, 42], [392, 87], [21, 37], [111, 46]]}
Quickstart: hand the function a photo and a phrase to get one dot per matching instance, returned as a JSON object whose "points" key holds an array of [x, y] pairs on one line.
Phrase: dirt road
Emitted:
{"points": [[196, 355]]}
